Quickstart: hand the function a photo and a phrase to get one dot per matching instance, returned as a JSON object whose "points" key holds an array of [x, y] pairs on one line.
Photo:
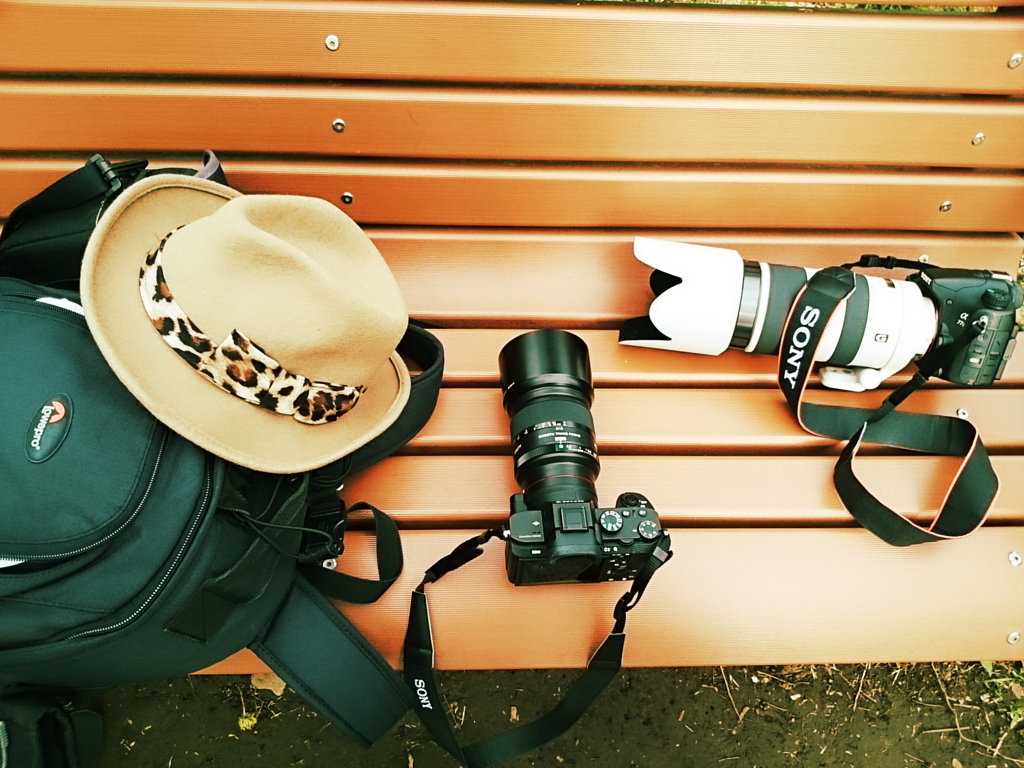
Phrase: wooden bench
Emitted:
{"points": [[503, 157]]}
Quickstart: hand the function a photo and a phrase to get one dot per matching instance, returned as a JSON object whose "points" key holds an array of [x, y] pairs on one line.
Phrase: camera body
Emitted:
{"points": [[575, 541], [557, 533], [963, 297]]}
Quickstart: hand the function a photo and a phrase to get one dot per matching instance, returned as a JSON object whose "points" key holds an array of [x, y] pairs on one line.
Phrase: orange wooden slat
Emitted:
{"points": [[574, 196], [687, 491], [729, 597], [512, 42], [699, 421], [471, 360], [584, 279], [517, 125], [587, 196]]}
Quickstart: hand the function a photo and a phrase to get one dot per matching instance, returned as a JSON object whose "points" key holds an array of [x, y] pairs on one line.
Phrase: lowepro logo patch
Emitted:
{"points": [[49, 427]]}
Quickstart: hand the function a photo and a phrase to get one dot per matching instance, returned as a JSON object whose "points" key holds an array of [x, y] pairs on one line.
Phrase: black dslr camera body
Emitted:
{"points": [[963, 298], [557, 533]]}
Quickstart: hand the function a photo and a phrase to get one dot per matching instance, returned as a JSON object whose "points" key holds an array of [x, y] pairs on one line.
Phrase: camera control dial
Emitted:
{"points": [[648, 529], [611, 521]]}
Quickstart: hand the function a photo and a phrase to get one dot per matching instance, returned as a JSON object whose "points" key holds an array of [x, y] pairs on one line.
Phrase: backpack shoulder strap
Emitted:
{"points": [[327, 513], [427, 353], [321, 655], [309, 643], [38, 731]]}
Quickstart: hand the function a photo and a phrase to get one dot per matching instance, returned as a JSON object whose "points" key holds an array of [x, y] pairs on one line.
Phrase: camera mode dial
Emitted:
{"points": [[997, 298], [611, 521]]}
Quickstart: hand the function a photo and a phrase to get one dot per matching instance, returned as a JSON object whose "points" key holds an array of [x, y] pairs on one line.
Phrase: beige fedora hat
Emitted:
{"points": [[263, 328]]}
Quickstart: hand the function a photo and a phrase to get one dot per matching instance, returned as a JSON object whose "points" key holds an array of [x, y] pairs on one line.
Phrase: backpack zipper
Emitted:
{"points": [[50, 304], [112, 534], [171, 569]]}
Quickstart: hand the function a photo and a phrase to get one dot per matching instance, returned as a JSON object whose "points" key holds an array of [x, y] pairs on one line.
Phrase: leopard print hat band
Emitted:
{"points": [[238, 365]]}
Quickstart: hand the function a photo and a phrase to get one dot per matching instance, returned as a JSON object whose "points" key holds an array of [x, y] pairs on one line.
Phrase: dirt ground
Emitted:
{"points": [[881, 715]]}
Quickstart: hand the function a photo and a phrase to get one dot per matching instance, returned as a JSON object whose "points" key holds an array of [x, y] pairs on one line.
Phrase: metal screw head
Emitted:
{"points": [[348, 198], [338, 125], [330, 565], [332, 42], [961, 413], [1015, 61], [946, 206], [924, 258], [1013, 638], [979, 138], [1015, 559]]}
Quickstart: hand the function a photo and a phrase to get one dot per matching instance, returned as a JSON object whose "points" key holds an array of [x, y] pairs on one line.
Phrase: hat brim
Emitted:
{"points": [[168, 387]]}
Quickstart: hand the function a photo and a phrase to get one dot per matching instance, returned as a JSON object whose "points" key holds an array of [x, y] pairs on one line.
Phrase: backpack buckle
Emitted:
{"points": [[106, 172], [324, 530], [117, 175]]}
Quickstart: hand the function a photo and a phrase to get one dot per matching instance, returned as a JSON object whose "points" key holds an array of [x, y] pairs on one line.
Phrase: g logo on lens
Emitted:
{"points": [[48, 429]]}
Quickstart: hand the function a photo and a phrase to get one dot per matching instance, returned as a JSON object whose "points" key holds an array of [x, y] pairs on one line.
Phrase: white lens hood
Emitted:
{"points": [[699, 314]]}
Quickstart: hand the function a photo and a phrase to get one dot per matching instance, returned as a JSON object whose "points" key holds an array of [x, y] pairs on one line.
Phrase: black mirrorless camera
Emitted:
{"points": [[557, 533]]}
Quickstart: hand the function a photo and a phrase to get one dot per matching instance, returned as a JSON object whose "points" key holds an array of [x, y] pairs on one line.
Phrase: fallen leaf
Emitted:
{"points": [[269, 682], [247, 722], [957, 763], [1017, 689], [988, 666]]}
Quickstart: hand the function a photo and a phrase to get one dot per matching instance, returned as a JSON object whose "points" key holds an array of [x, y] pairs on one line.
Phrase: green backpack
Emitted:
{"points": [[127, 553]]}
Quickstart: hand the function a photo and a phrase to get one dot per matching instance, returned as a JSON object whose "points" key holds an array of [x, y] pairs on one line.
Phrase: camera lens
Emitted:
{"points": [[710, 299], [546, 378]]}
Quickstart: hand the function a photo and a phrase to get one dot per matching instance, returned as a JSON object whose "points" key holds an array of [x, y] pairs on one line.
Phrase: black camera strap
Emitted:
{"points": [[975, 487], [603, 667]]}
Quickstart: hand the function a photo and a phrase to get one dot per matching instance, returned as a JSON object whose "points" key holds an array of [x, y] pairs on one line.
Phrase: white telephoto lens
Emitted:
{"points": [[715, 300]]}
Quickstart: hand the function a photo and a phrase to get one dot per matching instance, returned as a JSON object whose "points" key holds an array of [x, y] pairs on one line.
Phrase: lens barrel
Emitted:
{"points": [[548, 391]]}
